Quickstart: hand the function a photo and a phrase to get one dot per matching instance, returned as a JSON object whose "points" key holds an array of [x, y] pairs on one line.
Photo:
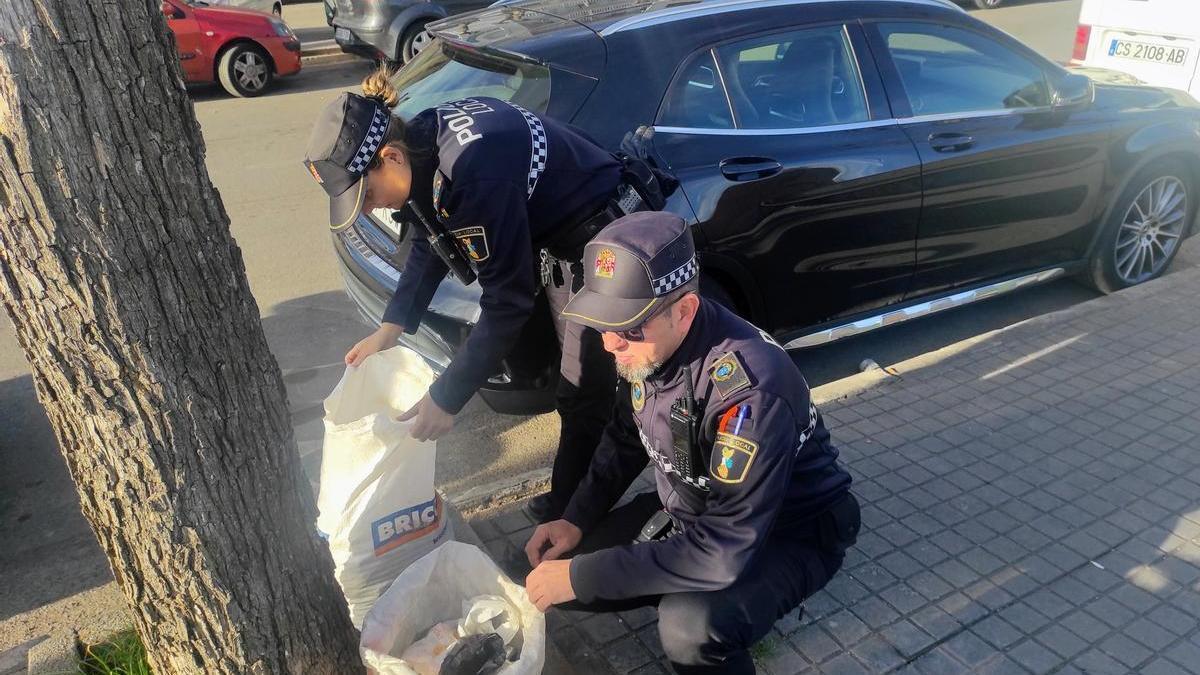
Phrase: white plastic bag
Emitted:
{"points": [[377, 502], [433, 590]]}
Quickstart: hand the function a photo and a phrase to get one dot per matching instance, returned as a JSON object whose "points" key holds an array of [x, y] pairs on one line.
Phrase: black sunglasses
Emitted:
{"points": [[639, 334]]}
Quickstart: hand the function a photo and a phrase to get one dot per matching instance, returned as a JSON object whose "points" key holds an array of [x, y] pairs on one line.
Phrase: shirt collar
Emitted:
{"points": [[692, 348]]}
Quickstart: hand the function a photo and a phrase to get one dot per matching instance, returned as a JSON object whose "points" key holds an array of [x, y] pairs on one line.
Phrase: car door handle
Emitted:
{"points": [[950, 142], [749, 168]]}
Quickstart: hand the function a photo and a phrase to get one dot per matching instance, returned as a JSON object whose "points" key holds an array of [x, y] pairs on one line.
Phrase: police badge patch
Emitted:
{"points": [[439, 181], [729, 375], [637, 394], [474, 240], [731, 458]]}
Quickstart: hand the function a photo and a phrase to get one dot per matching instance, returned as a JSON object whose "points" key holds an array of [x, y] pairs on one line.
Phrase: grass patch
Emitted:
{"points": [[763, 649], [124, 654]]}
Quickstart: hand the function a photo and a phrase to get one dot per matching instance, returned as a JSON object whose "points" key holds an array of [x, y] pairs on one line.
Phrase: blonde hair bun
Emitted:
{"points": [[378, 85]]}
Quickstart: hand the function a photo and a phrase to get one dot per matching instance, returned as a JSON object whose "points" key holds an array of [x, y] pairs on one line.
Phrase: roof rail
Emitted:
{"points": [[723, 6]]}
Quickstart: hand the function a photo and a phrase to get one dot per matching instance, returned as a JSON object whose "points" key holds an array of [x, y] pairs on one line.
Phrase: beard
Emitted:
{"points": [[637, 373]]}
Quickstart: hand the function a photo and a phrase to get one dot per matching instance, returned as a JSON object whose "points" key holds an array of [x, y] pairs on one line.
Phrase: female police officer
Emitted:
{"points": [[502, 183]]}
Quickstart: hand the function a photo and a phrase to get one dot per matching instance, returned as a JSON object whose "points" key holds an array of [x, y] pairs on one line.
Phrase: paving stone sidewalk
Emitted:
{"points": [[1031, 505]]}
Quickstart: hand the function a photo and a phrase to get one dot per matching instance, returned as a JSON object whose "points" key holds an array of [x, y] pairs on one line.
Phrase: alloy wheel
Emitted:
{"points": [[1150, 230], [251, 71], [420, 41]]}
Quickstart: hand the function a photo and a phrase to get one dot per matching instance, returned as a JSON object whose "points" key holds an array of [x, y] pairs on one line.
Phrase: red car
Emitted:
{"points": [[242, 49]]}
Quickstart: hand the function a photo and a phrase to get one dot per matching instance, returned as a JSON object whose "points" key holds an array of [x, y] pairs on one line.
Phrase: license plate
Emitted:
{"points": [[341, 34], [1147, 51]]}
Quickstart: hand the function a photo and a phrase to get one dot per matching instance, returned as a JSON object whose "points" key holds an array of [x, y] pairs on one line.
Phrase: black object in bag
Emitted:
{"points": [[445, 246], [474, 655]]}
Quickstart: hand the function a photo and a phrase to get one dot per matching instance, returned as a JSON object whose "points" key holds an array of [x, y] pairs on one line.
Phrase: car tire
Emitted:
{"points": [[245, 70], [988, 4], [413, 41], [1145, 227]]}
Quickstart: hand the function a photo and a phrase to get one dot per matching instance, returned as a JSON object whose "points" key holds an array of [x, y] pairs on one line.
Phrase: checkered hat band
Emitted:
{"points": [[537, 153], [810, 429], [371, 143], [678, 277]]}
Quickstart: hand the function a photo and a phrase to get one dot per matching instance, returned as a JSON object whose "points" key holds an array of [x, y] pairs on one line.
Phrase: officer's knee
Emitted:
{"points": [[699, 628]]}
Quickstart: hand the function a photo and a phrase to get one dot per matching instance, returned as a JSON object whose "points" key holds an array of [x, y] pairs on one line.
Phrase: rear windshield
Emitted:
{"points": [[443, 72]]}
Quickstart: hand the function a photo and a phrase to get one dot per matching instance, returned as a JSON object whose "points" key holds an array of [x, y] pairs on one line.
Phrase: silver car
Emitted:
{"points": [[389, 30]]}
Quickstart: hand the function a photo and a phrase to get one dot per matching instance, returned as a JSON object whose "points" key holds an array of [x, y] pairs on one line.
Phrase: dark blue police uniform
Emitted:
{"points": [[507, 183], [762, 524]]}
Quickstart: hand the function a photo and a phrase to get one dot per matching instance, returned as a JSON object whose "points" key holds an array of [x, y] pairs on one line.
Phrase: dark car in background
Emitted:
{"points": [[845, 165], [389, 30]]}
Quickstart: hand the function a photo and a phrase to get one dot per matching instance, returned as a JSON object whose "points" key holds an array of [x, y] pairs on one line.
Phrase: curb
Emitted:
{"points": [[501, 493]]}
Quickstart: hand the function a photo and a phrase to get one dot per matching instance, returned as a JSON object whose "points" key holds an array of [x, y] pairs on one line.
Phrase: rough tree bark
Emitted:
{"points": [[131, 303]]}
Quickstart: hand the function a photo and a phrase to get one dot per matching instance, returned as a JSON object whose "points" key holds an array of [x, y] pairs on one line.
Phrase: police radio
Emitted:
{"points": [[685, 436], [445, 246]]}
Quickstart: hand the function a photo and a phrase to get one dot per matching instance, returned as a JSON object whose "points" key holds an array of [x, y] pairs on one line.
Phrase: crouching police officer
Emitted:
{"points": [[758, 511], [503, 194]]}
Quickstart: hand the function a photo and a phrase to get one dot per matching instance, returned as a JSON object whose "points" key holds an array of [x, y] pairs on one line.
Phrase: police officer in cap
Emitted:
{"points": [[758, 511], [509, 197]]}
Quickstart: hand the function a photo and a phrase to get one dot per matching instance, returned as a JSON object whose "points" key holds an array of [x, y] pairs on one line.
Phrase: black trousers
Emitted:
{"points": [[710, 632], [584, 398]]}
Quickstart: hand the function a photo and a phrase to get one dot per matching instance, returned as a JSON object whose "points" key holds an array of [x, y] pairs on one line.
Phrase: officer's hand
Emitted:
{"points": [[550, 584], [551, 541], [381, 339], [431, 421]]}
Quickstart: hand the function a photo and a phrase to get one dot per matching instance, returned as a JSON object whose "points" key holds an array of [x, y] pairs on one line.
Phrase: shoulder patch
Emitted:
{"points": [[637, 395], [439, 184], [731, 458], [729, 375], [474, 240]]}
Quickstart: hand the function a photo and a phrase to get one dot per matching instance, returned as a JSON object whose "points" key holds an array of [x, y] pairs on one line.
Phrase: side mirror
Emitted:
{"points": [[1073, 91], [171, 11]]}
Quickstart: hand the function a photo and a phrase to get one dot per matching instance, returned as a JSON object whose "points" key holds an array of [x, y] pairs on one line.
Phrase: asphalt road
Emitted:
{"points": [[254, 150]]}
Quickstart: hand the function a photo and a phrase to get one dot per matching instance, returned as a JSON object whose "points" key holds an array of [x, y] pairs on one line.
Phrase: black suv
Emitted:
{"points": [[846, 165]]}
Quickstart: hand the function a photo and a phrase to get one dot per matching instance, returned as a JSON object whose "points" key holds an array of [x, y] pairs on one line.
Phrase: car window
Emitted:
{"points": [[440, 73], [804, 78], [951, 70], [697, 99]]}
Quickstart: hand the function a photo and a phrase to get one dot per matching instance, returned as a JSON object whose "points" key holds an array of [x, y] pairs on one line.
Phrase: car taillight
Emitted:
{"points": [[1083, 35]]}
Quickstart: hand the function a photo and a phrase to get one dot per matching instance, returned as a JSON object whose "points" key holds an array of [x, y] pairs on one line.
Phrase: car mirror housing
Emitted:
{"points": [[1073, 91]]}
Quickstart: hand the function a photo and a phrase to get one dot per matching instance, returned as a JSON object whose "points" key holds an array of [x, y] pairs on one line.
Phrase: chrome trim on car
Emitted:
{"points": [[776, 132], [724, 6], [922, 309], [999, 112]]}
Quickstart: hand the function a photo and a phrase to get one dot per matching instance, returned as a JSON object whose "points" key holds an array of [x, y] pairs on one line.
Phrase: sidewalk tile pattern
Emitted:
{"points": [[1031, 505]]}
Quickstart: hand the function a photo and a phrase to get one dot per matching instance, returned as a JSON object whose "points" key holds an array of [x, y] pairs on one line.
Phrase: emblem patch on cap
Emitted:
{"points": [[474, 240], [731, 458], [606, 263], [313, 170], [637, 394], [728, 375]]}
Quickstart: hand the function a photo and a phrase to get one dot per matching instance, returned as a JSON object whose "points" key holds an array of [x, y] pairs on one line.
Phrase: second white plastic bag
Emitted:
{"points": [[377, 502]]}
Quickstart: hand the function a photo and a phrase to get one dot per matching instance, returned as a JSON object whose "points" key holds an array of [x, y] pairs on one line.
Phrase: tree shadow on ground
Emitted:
{"points": [[47, 549]]}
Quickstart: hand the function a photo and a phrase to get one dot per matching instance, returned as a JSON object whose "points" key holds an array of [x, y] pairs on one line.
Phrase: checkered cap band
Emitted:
{"points": [[371, 143], [538, 153], [808, 431], [676, 278]]}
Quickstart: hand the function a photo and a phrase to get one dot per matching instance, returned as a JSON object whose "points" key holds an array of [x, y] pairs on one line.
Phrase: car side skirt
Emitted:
{"points": [[922, 309]]}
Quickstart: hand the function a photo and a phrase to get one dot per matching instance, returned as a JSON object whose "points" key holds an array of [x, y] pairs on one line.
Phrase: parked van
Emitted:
{"points": [[1155, 41]]}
